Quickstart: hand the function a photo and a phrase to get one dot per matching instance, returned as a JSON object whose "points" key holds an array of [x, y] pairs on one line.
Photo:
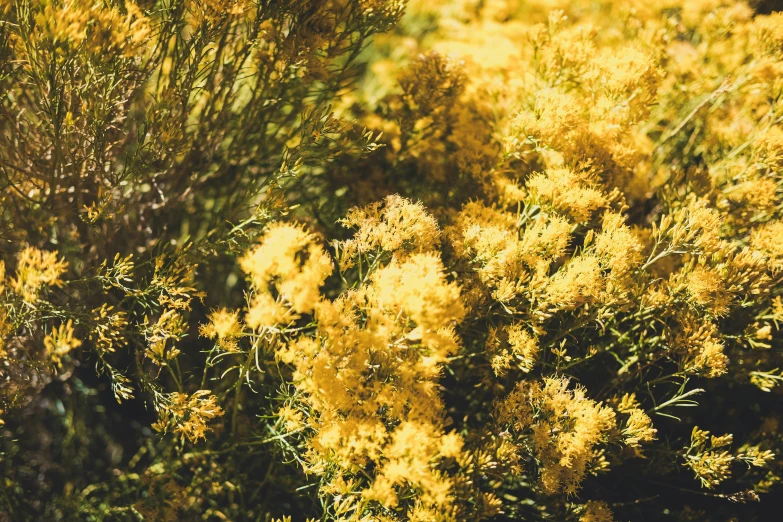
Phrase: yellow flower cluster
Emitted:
{"points": [[169, 326], [187, 415], [223, 326], [596, 511], [102, 30], [369, 376], [36, 269], [515, 345], [213, 11], [284, 287], [60, 342], [564, 427], [711, 463], [109, 329], [397, 226], [638, 426]]}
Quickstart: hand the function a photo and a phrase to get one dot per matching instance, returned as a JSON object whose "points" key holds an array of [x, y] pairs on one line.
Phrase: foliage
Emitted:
{"points": [[320, 260]]}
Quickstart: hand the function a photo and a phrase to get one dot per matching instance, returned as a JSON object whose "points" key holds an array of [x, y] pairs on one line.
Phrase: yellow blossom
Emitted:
{"points": [[169, 326], [188, 415], [398, 226], [36, 269], [638, 428], [100, 29], [578, 283], [564, 425], [60, 341], [567, 191], [288, 263], [596, 511], [223, 326], [768, 239], [707, 289], [109, 329]]}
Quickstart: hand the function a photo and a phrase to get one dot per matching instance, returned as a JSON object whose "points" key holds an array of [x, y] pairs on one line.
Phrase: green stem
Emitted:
{"points": [[174, 376], [238, 393]]}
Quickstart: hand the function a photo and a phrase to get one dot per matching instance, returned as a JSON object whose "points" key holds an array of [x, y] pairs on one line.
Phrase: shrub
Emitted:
{"points": [[499, 260]]}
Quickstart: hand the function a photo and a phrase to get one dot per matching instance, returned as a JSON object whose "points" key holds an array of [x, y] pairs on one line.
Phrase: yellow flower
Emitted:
{"points": [[579, 282], [60, 341], [567, 191], [768, 239], [397, 226], [707, 289], [566, 428], [169, 326], [101, 30], [288, 263], [188, 415], [638, 428], [596, 511], [109, 329], [224, 326], [213, 11], [36, 269]]}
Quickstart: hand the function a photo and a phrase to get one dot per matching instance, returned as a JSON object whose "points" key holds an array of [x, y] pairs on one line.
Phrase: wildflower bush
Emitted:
{"points": [[376, 260]]}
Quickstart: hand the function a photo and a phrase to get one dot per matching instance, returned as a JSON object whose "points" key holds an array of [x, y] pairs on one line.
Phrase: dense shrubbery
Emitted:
{"points": [[486, 260]]}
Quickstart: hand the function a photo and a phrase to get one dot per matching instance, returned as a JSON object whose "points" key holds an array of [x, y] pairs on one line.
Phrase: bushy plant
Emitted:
{"points": [[357, 260]]}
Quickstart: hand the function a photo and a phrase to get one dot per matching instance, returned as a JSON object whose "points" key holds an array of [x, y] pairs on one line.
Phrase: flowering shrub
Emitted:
{"points": [[375, 260]]}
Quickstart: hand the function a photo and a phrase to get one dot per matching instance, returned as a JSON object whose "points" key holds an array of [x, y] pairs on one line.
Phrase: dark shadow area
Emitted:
{"points": [[769, 6]]}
